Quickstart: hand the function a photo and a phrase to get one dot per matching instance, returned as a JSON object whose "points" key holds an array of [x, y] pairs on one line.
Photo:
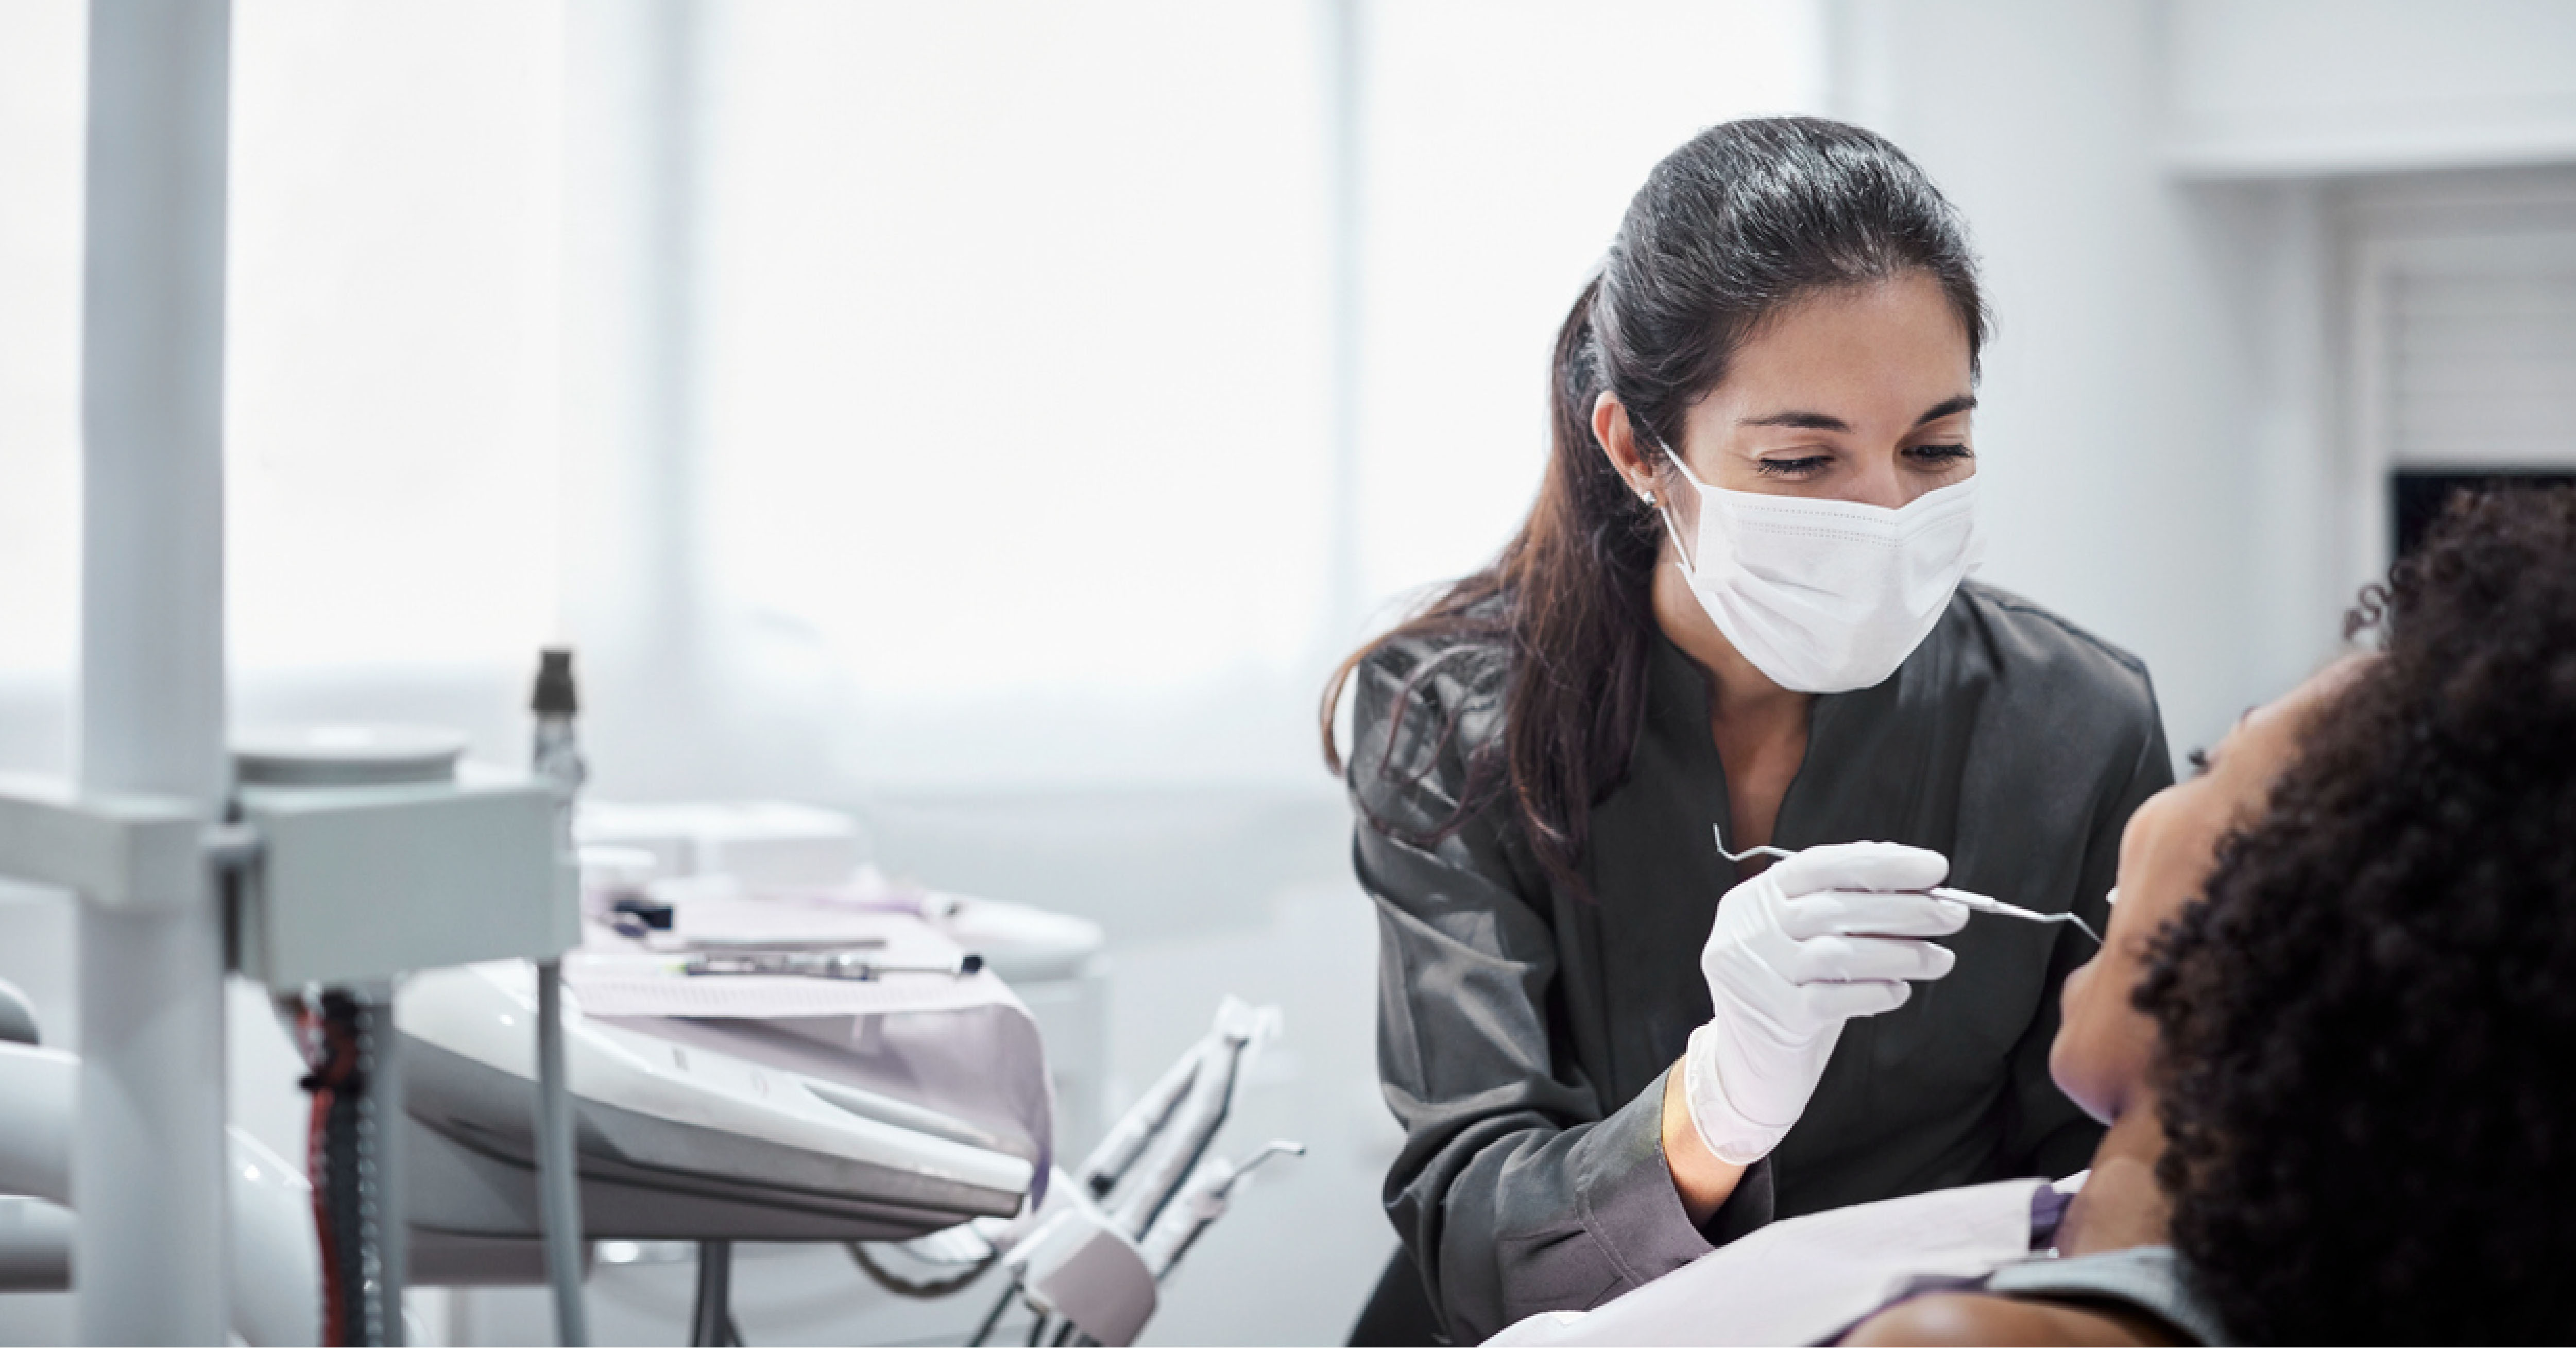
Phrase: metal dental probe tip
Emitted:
{"points": [[1982, 904], [1965, 898]]}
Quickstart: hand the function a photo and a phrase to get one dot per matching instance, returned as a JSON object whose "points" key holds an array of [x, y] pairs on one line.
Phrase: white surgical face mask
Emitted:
{"points": [[1826, 596]]}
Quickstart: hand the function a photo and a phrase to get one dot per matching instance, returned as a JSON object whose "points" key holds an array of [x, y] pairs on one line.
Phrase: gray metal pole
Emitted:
{"points": [[148, 1164]]}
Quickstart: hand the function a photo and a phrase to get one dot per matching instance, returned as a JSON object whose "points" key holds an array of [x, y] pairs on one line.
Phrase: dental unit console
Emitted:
{"points": [[677, 1140]]}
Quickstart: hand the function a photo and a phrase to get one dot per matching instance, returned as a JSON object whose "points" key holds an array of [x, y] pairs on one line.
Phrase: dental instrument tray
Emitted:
{"points": [[805, 1098]]}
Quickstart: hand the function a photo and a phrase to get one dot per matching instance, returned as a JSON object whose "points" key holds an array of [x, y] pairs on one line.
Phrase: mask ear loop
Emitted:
{"points": [[1664, 509]]}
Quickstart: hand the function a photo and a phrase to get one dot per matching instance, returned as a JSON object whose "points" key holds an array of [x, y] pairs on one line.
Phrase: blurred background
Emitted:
{"points": [[995, 418]]}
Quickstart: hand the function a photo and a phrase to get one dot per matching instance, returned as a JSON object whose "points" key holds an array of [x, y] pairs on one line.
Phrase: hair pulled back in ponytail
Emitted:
{"points": [[1744, 220]]}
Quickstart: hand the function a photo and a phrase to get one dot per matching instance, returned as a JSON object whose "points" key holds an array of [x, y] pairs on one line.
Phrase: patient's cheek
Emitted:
{"points": [[2138, 834], [2071, 1057], [2070, 995]]}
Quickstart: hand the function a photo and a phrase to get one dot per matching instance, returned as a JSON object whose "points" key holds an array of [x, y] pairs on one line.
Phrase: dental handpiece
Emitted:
{"points": [[1967, 899]]}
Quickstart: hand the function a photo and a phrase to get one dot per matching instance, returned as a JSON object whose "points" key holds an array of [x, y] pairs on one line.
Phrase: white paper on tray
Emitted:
{"points": [[616, 976], [961, 1044]]}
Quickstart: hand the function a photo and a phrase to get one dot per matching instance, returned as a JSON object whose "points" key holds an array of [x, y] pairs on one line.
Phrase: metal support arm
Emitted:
{"points": [[132, 852]]}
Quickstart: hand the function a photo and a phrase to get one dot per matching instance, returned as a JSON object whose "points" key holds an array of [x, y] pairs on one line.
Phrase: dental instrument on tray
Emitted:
{"points": [[1967, 899], [858, 963], [692, 945]]}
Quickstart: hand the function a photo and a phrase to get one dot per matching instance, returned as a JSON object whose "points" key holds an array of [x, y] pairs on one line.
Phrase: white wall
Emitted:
{"points": [[2155, 188], [2114, 455], [2282, 87]]}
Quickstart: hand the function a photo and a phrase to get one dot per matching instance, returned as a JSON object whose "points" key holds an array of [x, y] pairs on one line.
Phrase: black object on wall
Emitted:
{"points": [[2416, 496]]}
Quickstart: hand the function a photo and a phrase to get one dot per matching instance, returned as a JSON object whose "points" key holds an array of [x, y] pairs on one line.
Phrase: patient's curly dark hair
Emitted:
{"points": [[2369, 1026]]}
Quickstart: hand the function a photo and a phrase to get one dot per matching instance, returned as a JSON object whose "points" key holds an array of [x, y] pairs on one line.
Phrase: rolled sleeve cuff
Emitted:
{"points": [[1627, 1201]]}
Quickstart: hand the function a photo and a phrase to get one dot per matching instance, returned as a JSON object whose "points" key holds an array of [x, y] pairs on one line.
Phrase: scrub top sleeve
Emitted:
{"points": [[2048, 1135], [1518, 1188], [1513, 1193]]}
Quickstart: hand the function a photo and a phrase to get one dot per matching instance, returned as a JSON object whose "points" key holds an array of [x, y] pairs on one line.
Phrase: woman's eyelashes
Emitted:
{"points": [[1796, 467], [1804, 466], [2199, 761]]}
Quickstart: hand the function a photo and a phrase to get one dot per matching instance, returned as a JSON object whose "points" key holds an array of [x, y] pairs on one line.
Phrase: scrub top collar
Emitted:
{"points": [[1680, 695]]}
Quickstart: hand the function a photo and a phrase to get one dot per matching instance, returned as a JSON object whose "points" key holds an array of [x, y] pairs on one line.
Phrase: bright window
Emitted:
{"points": [[1505, 138], [42, 48], [390, 378], [1010, 332], [1017, 359], [1022, 341]]}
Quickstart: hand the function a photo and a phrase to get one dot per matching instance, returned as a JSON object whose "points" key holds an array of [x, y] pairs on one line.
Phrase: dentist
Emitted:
{"points": [[1740, 602]]}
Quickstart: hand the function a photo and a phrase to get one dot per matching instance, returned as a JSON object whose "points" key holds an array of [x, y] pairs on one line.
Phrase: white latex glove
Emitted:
{"points": [[1830, 934]]}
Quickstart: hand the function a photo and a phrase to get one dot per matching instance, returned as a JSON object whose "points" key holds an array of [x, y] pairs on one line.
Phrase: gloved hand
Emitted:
{"points": [[1827, 935]]}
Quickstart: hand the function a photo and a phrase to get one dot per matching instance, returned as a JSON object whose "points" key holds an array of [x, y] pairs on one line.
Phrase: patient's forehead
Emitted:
{"points": [[2271, 730], [2241, 772]]}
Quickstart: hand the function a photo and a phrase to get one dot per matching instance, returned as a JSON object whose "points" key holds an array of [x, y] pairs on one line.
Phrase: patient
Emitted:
{"points": [[2338, 1088]]}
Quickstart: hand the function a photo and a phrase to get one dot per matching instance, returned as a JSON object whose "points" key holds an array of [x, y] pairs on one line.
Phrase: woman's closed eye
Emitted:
{"points": [[1804, 466], [1940, 456]]}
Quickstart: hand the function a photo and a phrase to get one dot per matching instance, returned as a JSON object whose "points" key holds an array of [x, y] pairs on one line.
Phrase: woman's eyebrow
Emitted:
{"points": [[1799, 421]]}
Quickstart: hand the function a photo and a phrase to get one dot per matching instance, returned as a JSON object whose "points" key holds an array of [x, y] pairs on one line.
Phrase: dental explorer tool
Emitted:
{"points": [[1967, 899]]}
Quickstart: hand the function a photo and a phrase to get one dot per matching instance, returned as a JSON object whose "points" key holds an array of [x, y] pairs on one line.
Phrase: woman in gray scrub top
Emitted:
{"points": [[1738, 608]]}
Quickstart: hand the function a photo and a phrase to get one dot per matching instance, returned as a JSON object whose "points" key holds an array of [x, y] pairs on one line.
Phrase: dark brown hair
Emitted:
{"points": [[1744, 220]]}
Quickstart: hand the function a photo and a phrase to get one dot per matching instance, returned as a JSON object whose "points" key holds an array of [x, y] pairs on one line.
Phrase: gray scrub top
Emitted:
{"points": [[1524, 1033]]}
